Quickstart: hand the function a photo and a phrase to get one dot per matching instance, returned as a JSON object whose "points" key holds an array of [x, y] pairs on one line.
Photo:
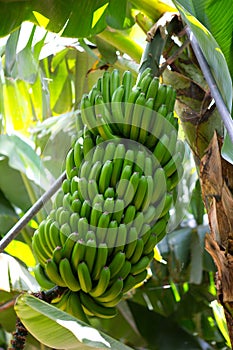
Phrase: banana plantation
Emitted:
{"points": [[116, 175]]}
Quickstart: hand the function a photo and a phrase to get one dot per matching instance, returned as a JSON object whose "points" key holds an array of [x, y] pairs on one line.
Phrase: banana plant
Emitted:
{"points": [[106, 36]]}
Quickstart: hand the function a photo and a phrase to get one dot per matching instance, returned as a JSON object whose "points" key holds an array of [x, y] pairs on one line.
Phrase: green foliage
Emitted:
{"points": [[40, 98]]}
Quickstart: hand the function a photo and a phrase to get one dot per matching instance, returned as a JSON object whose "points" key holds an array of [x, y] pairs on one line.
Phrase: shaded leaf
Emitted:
{"points": [[57, 329], [8, 216], [156, 328]]}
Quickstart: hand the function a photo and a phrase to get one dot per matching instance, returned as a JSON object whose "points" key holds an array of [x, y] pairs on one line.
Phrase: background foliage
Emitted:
{"points": [[50, 54]]}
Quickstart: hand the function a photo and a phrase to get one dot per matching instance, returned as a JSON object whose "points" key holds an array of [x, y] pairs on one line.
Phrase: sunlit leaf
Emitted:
{"points": [[221, 320], [59, 330], [23, 158], [21, 251], [14, 276]]}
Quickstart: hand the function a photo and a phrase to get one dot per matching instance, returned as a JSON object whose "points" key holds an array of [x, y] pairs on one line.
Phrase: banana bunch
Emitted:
{"points": [[113, 207]]}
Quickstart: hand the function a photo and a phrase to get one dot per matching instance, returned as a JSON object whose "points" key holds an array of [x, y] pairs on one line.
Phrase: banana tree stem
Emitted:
{"points": [[15, 230], [220, 104]]}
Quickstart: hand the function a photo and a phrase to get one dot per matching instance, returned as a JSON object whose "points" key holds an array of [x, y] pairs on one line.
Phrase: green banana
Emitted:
{"points": [[95, 308], [105, 176], [160, 96], [83, 227], [96, 212], [127, 82], [131, 281], [145, 83], [131, 242], [170, 98], [84, 277], [114, 81], [137, 116], [78, 254], [161, 149], [105, 86], [101, 260], [147, 71], [129, 214], [137, 252], [61, 304], [102, 284], [152, 88], [88, 145], [90, 254], [74, 218], [117, 263], [124, 271], [150, 244], [112, 292], [118, 210], [109, 193], [57, 254], [68, 276], [82, 188], [53, 274], [147, 114], [76, 206], [140, 266], [129, 107], [88, 114], [174, 163], [132, 187], [102, 227], [42, 278], [96, 169], [109, 151], [124, 180], [74, 307], [121, 238], [139, 162], [116, 107], [160, 185], [117, 163], [111, 235], [70, 164], [85, 209], [78, 154], [66, 186], [140, 193], [54, 234], [69, 244], [149, 193], [98, 156]]}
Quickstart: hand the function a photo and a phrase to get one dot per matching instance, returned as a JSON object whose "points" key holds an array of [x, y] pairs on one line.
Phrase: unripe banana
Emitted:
{"points": [[96, 309], [102, 284], [68, 276], [42, 278], [112, 292], [78, 254], [101, 260], [84, 277], [53, 274]]}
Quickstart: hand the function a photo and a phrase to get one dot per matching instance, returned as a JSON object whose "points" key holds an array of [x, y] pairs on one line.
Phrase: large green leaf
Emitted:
{"points": [[208, 44], [216, 16], [8, 216], [23, 158], [213, 31], [74, 19], [15, 277], [57, 329]]}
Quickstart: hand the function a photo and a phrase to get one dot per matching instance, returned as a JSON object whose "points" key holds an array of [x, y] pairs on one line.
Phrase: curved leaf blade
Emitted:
{"points": [[212, 52], [59, 330]]}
